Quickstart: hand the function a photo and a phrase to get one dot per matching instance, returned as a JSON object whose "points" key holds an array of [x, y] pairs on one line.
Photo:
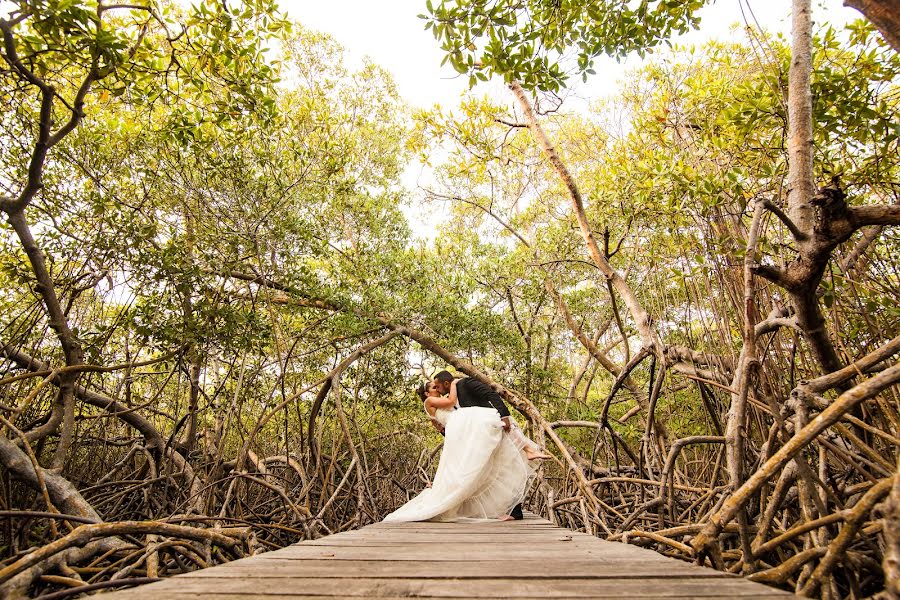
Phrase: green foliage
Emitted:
{"points": [[200, 155], [525, 40], [668, 169]]}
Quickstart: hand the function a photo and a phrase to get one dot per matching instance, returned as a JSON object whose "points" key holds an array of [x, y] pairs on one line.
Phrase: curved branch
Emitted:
{"points": [[853, 518], [328, 381], [668, 471], [832, 380], [775, 210], [61, 491], [145, 427], [85, 533], [63, 407], [776, 275], [828, 417]]}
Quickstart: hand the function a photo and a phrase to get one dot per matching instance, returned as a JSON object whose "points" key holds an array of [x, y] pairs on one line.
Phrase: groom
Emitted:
{"points": [[471, 392]]}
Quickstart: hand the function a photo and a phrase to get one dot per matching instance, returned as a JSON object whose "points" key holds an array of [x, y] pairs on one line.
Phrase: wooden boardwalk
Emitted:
{"points": [[522, 559]]}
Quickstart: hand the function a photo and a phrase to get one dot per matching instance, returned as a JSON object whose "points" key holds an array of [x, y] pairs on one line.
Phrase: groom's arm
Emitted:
{"points": [[487, 394]]}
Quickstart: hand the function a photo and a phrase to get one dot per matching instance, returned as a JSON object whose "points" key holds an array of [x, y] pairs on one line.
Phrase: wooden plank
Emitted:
{"points": [[455, 537], [456, 529], [473, 522], [511, 553], [457, 532], [138, 595], [558, 538], [255, 568], [454, 588], [558, 545], [484, 544]]}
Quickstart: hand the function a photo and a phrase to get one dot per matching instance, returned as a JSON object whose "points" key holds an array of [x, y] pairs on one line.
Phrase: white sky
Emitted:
{"points": [[391, 34]]}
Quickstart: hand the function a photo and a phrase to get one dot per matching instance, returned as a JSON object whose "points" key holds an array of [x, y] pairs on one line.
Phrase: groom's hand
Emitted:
{"points": [[506, 424], [437, 426]]}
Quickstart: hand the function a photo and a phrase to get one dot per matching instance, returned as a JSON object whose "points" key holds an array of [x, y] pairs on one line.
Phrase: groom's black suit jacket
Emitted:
{"points": [[471, 392]]}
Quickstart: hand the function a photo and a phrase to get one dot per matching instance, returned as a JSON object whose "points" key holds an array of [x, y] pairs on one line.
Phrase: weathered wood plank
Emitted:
{"points": [[449, 551], [522, 560], [485, 544], [456, 588], [548, 531], [456, 536], [544, 569], [277, 596], [454, 553]]}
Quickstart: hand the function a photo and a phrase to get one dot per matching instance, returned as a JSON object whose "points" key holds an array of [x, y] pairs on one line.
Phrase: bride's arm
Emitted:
{"points": [[430, 409], [440, 401]]}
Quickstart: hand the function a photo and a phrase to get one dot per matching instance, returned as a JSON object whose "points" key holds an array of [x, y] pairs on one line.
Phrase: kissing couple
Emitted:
{"points": [[484, 468]]}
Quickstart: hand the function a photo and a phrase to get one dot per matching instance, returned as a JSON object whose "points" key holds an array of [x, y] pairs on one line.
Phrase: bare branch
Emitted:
{"points": [[782, 216]]}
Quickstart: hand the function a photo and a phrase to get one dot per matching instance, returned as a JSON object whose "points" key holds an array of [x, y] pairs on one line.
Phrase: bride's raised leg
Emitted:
{"points": [[532, 454]]}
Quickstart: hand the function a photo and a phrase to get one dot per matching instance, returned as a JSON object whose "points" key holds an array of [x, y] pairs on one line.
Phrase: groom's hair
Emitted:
{"points": [[444, 376]]}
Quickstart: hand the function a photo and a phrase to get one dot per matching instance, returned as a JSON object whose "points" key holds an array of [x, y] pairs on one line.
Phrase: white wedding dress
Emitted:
{"points": [[481, 473]]}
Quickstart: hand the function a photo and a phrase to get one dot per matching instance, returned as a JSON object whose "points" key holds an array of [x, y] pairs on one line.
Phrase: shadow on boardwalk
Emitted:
{"points": [[523, 559]]}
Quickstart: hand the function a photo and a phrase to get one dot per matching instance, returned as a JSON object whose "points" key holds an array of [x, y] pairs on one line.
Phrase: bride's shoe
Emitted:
{"points": [[506, 518]]}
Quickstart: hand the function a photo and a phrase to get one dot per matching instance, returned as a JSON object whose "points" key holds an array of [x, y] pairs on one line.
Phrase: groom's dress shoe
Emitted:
{"points": [[516, 513]]}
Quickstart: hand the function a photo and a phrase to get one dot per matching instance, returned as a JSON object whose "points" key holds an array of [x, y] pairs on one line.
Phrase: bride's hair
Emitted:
{"points": [[422, 391]]}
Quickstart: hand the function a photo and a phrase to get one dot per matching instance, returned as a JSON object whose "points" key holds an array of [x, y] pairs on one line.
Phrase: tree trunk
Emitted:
{"points": [[193, 400], [638, 313], [800, 184], [801, 189], [63, 409]]}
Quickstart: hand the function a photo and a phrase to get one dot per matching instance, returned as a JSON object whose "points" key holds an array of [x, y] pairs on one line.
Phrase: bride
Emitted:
{"points": [[482, 473]]}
